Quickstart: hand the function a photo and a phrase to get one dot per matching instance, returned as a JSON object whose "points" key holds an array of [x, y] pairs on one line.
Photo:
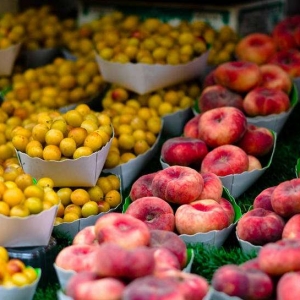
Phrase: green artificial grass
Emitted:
{"points": [[208, 258]]}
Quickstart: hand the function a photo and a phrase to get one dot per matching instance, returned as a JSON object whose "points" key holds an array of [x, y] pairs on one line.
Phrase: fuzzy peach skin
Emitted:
{"points": [[152, 287], [192, 286], [245, 283], [285, 198], [263, 101], [155, 212], [229, 209], [213, 187], [85, 236], [221, 125], [263, 199], [177, 184], [78, 258], [87, 285], [288, 60], [291, 229], [257, 140], [183, 151], [288, 287], [280, 257], [142, 187], [217, 96], [259, 226], [209, 79], [254, 163], [225, 160], [201, 216], [119, 262], [171, 241], [273, 76], [122, 229], [190, 128], [255, 47], [238, 76]]}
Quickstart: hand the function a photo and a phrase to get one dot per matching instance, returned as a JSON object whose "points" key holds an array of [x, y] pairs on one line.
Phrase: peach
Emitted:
{"points": [[250, 264], [190, 128], [85, 236], [231, 280], [155, 212], [239, 76], [209, 79], [229, 209], [254, 163], [85, 285], [288, 287], [272, 255], [123, 229], [263, 101], [142, 187], [263, 199], [78, 258], [217, 96], [259, 226], [200, 216], [257, 140], [171, 241], [221, 125], [177, 184], [255, 47], [291, 229], [152, 287], [213, 187], [288, 60], [273, 76], [192, 286], [284, 32], [225, 160], [285, 198], [183, 151], [123, 263], [164, 260]]}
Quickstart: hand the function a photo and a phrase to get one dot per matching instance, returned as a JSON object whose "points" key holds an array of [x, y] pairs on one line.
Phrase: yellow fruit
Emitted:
{"points": [[126, 157], [31, 273], [154, 125], [140, 147], [64, 194], [80, 196], [13, 196], [67, 147], [112, 159], [45, 182], [94, 141], [34, 204], [23, 180], [4, 209], [73, 208], [126, 141], [70, 217], [19, 210], [34, 190], [4, 256], [82, 151], [104, 184], [95, 193], [53, 137], [113, 198], [51, 152], [90, 208]]}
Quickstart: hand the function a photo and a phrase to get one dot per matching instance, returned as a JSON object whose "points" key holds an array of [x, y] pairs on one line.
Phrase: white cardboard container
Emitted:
{"points": [[83, 171], [20, 293], [34, 230], [144, 78], [8, 57], [247, 247], [216, 295]]}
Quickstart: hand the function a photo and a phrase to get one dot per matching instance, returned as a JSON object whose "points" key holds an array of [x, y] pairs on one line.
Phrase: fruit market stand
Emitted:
{"points": [[95, 131]]}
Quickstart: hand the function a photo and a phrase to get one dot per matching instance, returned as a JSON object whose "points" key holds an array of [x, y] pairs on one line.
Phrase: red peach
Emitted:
{"points": [[201, 216], [213, 187], [259, 227], [152, 287], [229, 209], [250, 264], [171, 241], [285, 198], [291, 229], [209, 80], [155, 212], [85, 236], [164, 260], [288, 60], [225, 160], [142, 187], [263, 101], [263, 199], [272, 255], [177, 184], [239, 76], [257, 140], [255, 47], [190, 129], [288, 287], [254, 163], [123, 229], [273, 76], [217, 96], [183, 151], [222, 125]]}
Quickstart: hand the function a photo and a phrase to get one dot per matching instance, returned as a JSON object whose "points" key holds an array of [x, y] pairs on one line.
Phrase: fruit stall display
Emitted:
{"points": [[212, 202]]}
